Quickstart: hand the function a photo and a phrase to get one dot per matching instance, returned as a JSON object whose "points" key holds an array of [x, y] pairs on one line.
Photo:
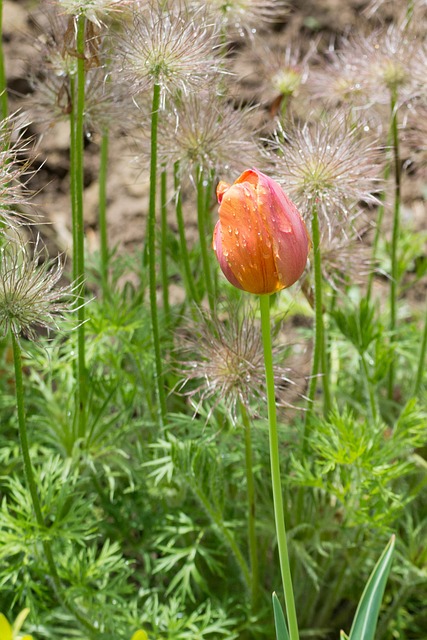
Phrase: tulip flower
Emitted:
{"points": [[260, 240]]}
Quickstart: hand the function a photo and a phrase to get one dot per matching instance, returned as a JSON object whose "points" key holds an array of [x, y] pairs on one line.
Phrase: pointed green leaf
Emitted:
{"points": [[365, 620], [279, 620], [343, 635]]}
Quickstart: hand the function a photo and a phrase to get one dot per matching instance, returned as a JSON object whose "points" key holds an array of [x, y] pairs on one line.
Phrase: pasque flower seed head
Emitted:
{"points": [[171, 49], [29, 297], [329, 164]]}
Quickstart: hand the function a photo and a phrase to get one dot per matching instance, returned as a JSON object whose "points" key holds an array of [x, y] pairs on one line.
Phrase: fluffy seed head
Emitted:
{"points": [[93, 10], [14, 171], [329, 164], [222, 361], [206, 132], [29, 297], [243, 17], [170, 49]]}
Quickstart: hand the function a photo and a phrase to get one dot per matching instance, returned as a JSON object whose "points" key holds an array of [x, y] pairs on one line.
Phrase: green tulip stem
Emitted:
{"points": [[3, 83], [29, 476], [151, 244], [164, 245], [250, 488], [189, 284], [201, 220], [102, 209], [395, 238], [319, 363], [275, 471]]}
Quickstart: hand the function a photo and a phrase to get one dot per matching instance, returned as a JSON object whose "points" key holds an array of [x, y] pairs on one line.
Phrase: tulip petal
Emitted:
{"points": [[245, 239], [217, 245]]}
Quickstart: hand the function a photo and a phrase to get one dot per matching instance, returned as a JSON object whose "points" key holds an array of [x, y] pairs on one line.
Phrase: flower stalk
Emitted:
{"points": [[319, 363], [189, 284], [164, 245], [102, 212], [395, 237], [151, 243], [250, 488], [3, 83], [29, 475], [201, 221], [275, 471]]}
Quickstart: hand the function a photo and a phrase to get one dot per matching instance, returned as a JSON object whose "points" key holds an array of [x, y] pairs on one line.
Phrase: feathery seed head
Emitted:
{"points": [[28, 293], [244, 16], [223, 357], [94, 10], [329, 164], [14, 171], [206, 132], [170, 49]]}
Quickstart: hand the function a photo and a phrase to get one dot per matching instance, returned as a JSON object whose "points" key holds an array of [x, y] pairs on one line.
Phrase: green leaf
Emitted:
{"points": [[365, 620], [279, 619], [343, 635]]}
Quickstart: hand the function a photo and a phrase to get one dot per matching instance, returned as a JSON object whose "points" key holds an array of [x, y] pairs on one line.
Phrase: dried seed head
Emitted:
{"points": [[223, 362], [272, 70], [369, 69], [29, 297], [171, 49], [14, 171], [345, 258], [243, 17], [329, 164], [94, 10], [206, 132]]}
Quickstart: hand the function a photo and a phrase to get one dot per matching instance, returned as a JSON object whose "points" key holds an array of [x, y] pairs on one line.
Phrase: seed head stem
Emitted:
{"points": [[201, 220], [275, 471], [103, 229], [79, 223], [250, 489], [29, 475], [163, 246], [188, 275], [151, 244], [395, 237], [3, 82]]}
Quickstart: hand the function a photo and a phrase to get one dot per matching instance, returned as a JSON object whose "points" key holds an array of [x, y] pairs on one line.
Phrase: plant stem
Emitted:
{"points": [[420, 370], [250, 485], [275, 471], [201, 219], [29, 475], [163, 246], [369, 389], [395, 237], [187, 275], [102, 208], [3, 83], [151, 243], [319, 354], [77, 157], [380, 216]]}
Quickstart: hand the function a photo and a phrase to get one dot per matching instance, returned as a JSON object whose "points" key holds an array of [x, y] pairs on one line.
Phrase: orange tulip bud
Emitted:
{"points": [[260, 240]]}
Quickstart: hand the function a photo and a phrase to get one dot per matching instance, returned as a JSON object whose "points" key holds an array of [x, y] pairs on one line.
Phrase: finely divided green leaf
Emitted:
{"points": [[279, 619], [365, 620]]}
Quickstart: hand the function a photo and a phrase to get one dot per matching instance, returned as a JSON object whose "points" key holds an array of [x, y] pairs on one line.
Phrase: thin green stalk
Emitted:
{"points": [[250, 487], [163, 246], [319, 352], [190, 286], [151, 244], [380, 216], [201, 219], [29, 476], [102, 211], [3, 82], [395, 238], [228, 538], [78, 233], [275, 471], [421, 361], [369, 390]]}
